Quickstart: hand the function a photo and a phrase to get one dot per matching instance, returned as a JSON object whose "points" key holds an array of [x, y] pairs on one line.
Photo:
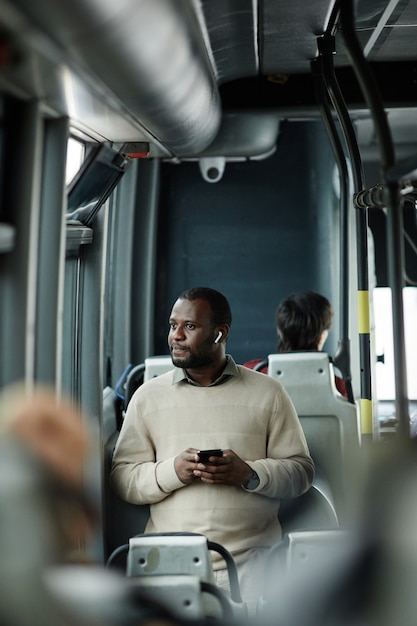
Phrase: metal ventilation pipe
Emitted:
{"points": [[150, 54]]}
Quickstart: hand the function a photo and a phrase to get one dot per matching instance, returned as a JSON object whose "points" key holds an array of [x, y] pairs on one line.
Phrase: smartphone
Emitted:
{"points": [[206, 454]]}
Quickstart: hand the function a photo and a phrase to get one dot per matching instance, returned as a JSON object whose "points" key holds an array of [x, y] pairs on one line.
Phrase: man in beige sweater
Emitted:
{"points": [[207, 401]]}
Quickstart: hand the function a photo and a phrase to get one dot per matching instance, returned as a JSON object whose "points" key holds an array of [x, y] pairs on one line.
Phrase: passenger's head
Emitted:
{"points": [[219, 306], [51, 429], [198, 327], [51, 434], [303, 321]]}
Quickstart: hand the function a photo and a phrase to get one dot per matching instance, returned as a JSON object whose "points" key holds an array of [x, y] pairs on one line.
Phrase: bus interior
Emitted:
{"points": [[259, 147]]}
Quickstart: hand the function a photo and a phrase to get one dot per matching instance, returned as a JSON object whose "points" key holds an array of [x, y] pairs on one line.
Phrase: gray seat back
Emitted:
{"points": [[156, 365], [330, 423]]}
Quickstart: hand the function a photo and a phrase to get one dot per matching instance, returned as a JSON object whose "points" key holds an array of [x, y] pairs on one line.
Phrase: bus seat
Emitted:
{"points": [[306, 548], [176, 568], [121, 519], [157, 365], [329, 421], [308, 560], [154, 554], [313, 510], [133, 377], [90, 594]]}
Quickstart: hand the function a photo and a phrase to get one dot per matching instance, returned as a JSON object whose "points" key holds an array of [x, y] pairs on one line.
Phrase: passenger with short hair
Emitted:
{"points": [[303, 321], [207, 401]]}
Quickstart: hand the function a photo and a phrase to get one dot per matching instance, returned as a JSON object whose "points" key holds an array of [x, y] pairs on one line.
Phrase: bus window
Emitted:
{"points": [[75, 156], [384, 342], [384, 371]]}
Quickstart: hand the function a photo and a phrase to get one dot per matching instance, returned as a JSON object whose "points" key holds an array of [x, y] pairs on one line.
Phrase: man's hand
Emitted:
{"points": [[228, 469], [185, 464]]}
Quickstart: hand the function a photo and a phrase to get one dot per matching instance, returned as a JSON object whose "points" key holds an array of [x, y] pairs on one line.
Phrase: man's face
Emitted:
{"points": [[191, 335]]}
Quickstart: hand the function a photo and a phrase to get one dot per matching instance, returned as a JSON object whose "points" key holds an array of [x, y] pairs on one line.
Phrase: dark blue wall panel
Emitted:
{"points": [[267, 229]]}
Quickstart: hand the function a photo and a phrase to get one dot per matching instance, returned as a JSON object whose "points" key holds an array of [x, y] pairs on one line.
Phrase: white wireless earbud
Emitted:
{"points": [[219, 336]]}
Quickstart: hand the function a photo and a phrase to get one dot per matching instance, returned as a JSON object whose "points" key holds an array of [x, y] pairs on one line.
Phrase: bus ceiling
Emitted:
{"points": [[165, 72]]}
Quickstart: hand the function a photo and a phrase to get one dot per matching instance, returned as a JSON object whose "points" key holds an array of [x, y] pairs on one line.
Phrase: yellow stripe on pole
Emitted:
{"points": [[363, 312], [366, 416]]}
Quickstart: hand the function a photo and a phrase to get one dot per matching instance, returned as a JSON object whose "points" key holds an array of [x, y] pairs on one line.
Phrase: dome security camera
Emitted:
{"points": [[212, 168]]}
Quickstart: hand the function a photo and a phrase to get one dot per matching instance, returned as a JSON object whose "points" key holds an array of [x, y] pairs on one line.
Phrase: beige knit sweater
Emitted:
{"points": [[251, 414]]}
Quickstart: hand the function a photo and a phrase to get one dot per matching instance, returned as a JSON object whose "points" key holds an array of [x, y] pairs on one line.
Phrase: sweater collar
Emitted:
{"points": [[180, 375]]}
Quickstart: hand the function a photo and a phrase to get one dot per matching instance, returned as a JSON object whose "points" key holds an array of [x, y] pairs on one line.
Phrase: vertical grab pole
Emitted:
{"points": [[395, 251], [342, 358], [326, 47]]}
